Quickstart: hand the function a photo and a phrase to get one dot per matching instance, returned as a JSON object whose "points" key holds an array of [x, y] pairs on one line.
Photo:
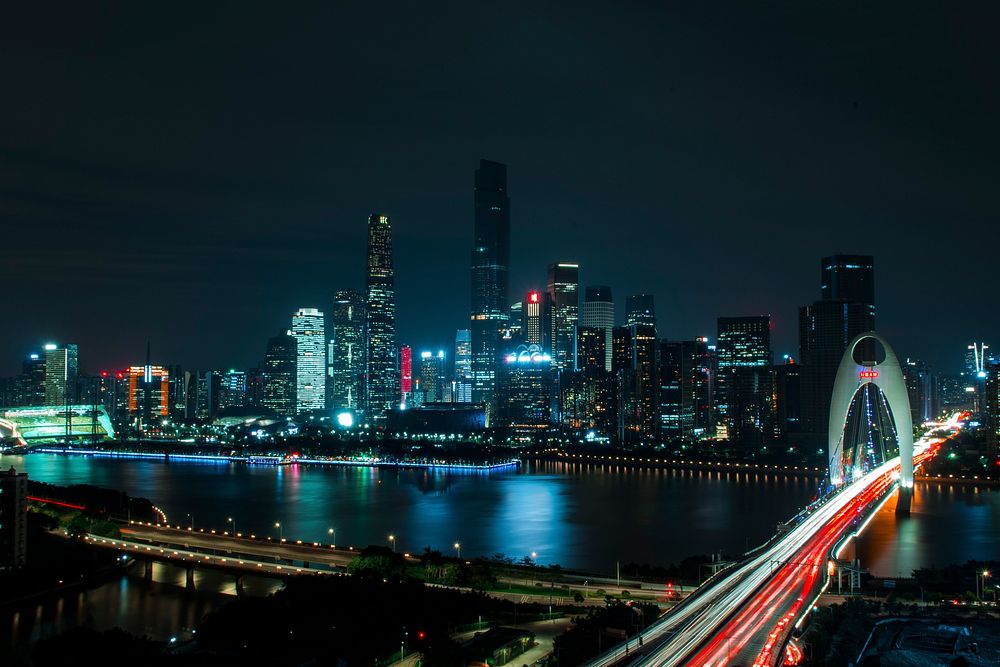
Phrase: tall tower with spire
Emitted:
{"points": [[382, 378]]}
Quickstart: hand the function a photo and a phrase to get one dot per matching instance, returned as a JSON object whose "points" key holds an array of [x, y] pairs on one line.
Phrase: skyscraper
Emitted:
{"points": [[382, 379], [405, 373], [849, 278], [563, 289], [744, 379], [846, 309], [536, 320], [233, 390], [310, 359], [490, 275], [346, 365], [280, 360], [598, 312], [685, 389], [639, 309], [32, 385], [61, 369], [525, 392], [432, 375], [463, 366]]}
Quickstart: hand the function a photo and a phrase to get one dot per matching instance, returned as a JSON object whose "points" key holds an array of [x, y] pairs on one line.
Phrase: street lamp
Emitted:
{"points": [[458, 549], [281, 531], [392, 541], [333, 532], [191, 516], [982, 587], [232, 521]]}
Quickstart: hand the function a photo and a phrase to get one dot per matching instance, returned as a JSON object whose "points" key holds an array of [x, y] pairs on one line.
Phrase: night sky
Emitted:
{"points": [[192, 175]]}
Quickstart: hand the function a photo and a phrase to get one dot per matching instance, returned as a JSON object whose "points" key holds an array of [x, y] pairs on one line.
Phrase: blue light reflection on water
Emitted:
{"points": [[577, 515]]}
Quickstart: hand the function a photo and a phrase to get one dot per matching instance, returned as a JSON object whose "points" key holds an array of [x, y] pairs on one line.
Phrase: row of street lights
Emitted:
{"points": [[457, 546], [332, 532]]}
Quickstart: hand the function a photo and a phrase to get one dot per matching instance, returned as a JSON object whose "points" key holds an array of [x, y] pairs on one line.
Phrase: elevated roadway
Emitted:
{"points": [[745, 613]]}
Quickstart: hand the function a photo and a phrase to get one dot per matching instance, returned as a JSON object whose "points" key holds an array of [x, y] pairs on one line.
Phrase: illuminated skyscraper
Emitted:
{"points": [[536, 320], [432, 376], [525, 392], [563, 290], [346, 351], [463, 367], [598, 312], [744, 380], [60, 374], [148, 394], [490, 275], [310, 345], [405, 372], [382, 376], [233, 390], [280, 360]]}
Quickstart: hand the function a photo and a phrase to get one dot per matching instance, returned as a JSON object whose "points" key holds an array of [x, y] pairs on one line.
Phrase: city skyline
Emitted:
{"points": [[728, 152]]}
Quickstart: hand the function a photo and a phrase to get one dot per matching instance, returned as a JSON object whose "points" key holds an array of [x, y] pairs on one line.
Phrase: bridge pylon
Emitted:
{"points": [[887, 376]]}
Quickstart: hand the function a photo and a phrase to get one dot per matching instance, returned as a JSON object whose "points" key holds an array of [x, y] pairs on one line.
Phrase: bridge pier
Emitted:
{"points": [[239, 585], [148, 571], [189, 579], [904, 500]]}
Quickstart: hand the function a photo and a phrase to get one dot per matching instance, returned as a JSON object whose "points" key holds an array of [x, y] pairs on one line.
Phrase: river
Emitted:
{"points": [[580, 516]]}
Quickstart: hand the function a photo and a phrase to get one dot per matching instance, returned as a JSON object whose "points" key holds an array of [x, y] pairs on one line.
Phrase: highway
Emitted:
{"points": [[745, 613], [214, 543], [199, 559]]}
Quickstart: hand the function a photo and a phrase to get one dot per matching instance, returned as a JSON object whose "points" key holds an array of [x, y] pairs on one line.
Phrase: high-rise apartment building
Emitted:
{"points": [[598, 312], [346, 351], [280, 376], [61, 370], [564, 292], [308, 328], [382, 374], [490, 275]]}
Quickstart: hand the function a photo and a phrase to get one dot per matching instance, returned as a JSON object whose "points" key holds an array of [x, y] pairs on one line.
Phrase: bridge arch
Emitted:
{"points": [[887, 375]]}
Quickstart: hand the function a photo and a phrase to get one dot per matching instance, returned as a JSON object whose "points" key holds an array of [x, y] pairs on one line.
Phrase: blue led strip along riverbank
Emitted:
{"points": [[274, 460]]}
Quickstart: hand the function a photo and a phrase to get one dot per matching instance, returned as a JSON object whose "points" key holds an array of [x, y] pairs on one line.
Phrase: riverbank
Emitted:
{"points": [[651, 461], [267, 460], [965, 480]]}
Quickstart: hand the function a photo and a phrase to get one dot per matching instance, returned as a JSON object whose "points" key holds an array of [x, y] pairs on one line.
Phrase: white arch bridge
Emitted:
{"points": [[886, 376], [745, 613]]}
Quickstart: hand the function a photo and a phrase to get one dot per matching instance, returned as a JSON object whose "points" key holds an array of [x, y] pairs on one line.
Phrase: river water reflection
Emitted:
{"points": [[580, 516]]}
